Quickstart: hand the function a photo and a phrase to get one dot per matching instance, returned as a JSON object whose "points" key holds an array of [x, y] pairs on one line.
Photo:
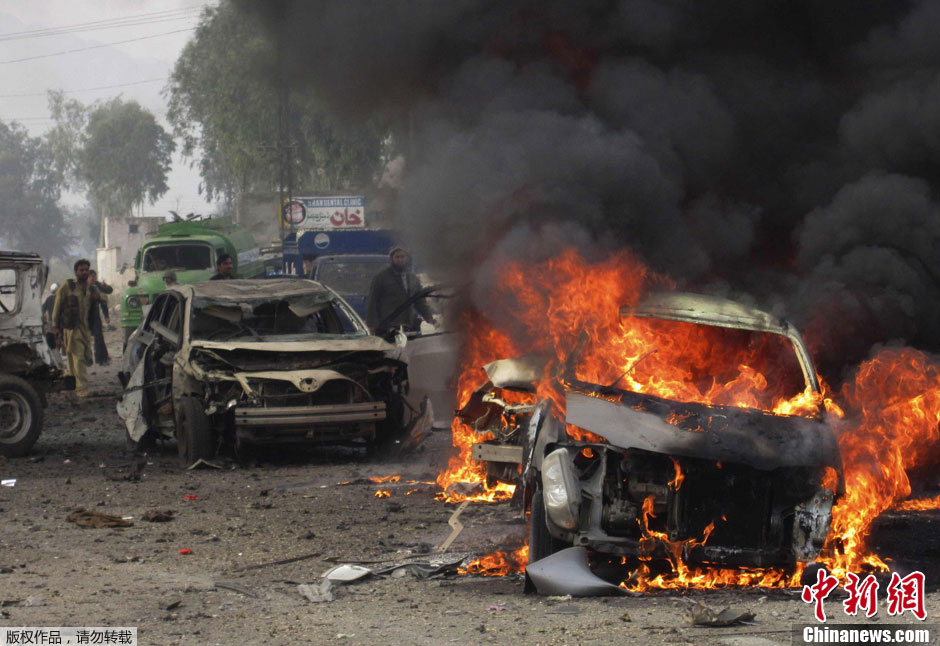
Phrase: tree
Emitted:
{"points": [[225, 99], [30, 219], [115, 150]]}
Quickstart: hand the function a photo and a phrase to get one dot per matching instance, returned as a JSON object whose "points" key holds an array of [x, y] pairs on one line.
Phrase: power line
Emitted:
{"points": [[85, 49], [144, 18], [84, 89]]}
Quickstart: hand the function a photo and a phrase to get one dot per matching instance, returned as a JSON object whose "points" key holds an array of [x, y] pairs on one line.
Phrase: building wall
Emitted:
{"points": [[122, 239]]}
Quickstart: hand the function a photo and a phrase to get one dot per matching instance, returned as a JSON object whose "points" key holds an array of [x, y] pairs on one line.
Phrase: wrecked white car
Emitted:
{"points": [[723, 485], [29, 368], [253, 362]]}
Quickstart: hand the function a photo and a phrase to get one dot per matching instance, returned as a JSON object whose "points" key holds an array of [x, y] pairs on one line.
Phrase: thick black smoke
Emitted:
{"points": [[786, 150]]}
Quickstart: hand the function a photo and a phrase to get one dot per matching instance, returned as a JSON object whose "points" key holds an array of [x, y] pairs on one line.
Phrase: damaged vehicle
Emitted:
{"points": [[652, 477], [29, 368], [258, 362]]}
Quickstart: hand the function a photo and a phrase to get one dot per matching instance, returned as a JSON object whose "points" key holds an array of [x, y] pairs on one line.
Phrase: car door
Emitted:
{"points": [[147, 385]]}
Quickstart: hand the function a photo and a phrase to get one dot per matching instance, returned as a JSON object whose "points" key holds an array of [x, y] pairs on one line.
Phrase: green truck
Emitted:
{"points": [[189, 248]]}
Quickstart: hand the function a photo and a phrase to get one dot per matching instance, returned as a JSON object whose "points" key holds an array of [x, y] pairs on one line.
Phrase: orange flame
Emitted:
{"points": [[499, 563], [566, 309], [382, 493], [391, 478], [922, 504]]}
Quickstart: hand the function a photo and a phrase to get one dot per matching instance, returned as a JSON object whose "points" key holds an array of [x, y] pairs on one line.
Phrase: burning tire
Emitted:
{"points": [[541, 542], [20, 416], [193, 432]]}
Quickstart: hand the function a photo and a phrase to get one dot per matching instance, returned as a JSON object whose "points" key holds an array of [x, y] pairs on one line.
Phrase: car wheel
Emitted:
{"points": [[193, 432], [20, 416], [541, 542]]}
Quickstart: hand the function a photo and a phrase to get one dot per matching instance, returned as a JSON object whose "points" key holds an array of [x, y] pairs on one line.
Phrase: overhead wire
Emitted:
{"points": [[85, 89], [133, 20], [84, 49]]}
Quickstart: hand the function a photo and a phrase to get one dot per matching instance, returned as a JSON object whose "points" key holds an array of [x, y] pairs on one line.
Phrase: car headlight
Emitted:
{"points": [[134, 302], [561, 490]]}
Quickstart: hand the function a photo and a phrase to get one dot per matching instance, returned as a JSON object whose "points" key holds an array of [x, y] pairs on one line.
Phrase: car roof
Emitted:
{"points": [[245, 289], [707, 310]]}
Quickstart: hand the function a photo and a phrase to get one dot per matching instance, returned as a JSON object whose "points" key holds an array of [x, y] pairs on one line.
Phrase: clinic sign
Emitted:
{"points": [[325, 213]]}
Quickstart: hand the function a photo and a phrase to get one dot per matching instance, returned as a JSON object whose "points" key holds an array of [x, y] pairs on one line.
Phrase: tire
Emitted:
{"points": [[20, 416], [541, 542], [193, 432]]}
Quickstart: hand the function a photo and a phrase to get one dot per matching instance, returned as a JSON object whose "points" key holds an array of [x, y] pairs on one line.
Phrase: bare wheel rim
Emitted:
{"points": [[15, 417]]}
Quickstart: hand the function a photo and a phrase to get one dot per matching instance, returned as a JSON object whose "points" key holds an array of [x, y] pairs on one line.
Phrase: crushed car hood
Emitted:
{"points": [[721, 433], [331, 344]]}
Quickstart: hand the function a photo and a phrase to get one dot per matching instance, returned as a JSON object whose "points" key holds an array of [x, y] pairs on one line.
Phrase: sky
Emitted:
{"points": [[105, 67]]}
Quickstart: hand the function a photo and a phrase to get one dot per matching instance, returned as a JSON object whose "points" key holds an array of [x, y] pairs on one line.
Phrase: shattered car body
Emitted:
{"points": [[258, 362], [722, 485], [29, 368]]}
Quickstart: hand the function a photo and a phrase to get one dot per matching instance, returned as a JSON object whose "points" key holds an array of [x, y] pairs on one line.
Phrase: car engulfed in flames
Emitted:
{"points": [[637, 475], [254, 362]]}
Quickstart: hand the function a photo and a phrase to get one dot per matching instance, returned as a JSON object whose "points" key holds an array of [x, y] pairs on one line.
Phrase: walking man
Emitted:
{"points": [[73, 303]]}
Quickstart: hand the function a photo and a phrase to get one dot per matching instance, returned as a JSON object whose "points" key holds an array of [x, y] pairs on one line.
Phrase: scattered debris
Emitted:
{"points": [[702, 615], [87, 518], [203, 463], [495, 607], [190, 496], [234, 587], [292, 559], [567, 572], [455, 524], [8, 483], [33, 602], [155, 516], [185, 551], [317, 593], [173, 605], [625, 617], [346, 573], [569, 609]]}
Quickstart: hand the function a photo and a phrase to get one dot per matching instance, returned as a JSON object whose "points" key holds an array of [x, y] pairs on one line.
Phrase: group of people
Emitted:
{"points": [[77, 313]]}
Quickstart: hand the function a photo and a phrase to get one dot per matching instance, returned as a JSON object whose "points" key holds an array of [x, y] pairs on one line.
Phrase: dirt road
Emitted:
{"points": [[240, 521]]}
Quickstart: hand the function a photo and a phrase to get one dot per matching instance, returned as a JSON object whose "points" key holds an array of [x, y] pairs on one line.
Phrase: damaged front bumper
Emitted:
{"points": [[292, 424]]}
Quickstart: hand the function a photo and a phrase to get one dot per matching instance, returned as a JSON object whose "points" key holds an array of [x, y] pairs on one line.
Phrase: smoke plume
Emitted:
{"points": [[785, 151]]}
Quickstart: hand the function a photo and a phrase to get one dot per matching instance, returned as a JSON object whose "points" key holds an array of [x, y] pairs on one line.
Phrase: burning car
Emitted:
{"points": [[256, 362], [629, 473], [29, 368]]}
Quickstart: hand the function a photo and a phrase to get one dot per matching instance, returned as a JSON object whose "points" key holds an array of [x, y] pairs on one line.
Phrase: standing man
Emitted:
{"points": [[47, 306], [73, 303], [390, 288], [223, 267], [95, 315]]}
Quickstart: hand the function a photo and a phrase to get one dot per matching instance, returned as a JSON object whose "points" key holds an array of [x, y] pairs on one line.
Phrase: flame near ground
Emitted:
{"points": [[887, 418]]}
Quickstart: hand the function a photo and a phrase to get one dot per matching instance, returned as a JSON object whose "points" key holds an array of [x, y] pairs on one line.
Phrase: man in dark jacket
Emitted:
{"points": [[390, 288], [95, 316], [223, 267]]}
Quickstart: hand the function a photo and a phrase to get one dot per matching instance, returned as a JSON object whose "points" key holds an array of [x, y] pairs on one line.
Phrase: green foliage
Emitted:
{"points": [[224, 103], [30, 219], [114, 149]]}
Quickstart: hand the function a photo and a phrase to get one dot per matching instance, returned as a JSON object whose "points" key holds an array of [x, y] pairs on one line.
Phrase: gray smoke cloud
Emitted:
{"points": [[784, 151]]}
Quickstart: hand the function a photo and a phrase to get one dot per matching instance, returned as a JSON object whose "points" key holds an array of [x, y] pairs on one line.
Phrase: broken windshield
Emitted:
{"points": [[699, 363], [300, 315]]}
